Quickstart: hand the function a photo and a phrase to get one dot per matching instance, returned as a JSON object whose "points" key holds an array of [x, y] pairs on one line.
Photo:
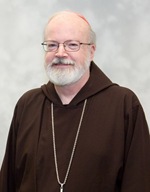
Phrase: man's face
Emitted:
{"points": [[65, 67]]}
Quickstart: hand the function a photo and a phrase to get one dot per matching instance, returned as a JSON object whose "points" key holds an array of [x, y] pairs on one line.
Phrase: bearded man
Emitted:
{"points": [[79, 132]]}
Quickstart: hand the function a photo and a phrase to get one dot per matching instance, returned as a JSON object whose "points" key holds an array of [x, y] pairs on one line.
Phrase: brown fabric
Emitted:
{"points": [[113, 149]]}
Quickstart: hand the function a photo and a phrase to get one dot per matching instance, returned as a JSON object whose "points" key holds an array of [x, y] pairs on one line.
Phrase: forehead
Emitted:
{"points": [[67, 26]]}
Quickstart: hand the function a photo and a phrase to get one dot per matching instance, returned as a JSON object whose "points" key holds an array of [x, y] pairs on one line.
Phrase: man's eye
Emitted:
{"points": [[51, 45], [72, 44]]}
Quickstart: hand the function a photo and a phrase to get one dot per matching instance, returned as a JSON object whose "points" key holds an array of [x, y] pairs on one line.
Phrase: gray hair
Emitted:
{"points": [[92, 36]]}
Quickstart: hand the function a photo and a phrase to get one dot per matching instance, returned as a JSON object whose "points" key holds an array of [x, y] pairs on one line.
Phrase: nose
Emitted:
{"points": [[61, 52]]}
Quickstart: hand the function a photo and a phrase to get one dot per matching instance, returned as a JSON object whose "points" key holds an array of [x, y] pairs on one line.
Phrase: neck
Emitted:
{"points": [[68, 92]]}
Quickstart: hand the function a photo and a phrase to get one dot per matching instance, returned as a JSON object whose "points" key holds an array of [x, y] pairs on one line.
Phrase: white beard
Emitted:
{"points": [[68, 75]]}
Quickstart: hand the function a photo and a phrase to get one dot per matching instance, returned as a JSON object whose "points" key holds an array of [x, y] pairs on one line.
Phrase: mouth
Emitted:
{"points": [[61, 64]]}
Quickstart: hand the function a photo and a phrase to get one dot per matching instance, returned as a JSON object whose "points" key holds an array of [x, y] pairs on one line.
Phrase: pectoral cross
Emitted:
{"points": [[61, 187]]}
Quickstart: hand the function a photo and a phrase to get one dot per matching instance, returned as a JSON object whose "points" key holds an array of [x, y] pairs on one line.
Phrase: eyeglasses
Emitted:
{"points": [[70, 45]]}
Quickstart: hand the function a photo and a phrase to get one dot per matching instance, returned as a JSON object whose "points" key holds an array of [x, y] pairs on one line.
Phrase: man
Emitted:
{"points": [[80, 132]]}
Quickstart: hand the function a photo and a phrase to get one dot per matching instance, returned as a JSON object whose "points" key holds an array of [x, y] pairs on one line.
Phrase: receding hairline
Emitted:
{"points": [[71, 13], [82, 17]]}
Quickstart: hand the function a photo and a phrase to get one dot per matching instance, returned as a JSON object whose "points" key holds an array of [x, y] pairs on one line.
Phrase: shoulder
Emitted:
{"points": [[29, 103], [32, 93], [129, 100], [123, 92], [31, 96], [123, 97]]}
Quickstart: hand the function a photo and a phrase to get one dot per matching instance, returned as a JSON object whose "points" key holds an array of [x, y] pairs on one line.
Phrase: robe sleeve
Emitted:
{"points": [[136, 174], [7, 174]]}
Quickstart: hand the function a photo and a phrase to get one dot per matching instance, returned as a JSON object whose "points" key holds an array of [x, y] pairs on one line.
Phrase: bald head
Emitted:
{"points": [[70, 13], [71, 21]]}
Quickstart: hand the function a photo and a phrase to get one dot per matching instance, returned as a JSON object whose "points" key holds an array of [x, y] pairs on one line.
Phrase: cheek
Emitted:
{"points": [[49, 57], [80, 57], [85, 55]]}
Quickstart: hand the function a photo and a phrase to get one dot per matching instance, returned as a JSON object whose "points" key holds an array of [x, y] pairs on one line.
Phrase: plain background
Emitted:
{"points": [[123, 47]]}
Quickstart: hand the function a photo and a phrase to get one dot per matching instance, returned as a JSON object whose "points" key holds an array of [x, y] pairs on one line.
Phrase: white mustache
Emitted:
{"points": [[62, 61]]}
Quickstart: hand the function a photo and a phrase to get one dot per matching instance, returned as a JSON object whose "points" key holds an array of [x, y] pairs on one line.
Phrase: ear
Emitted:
{"points": [[92, 51]]}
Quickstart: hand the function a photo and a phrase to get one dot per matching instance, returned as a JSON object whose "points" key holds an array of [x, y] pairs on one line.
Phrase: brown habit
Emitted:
{"points": [[113, 148]]}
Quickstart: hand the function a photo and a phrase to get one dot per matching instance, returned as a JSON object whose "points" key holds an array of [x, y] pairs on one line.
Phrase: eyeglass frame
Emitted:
{"points": [[55, 50]]}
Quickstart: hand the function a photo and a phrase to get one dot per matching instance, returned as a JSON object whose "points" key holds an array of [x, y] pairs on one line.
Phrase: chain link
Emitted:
{"points": [[74, 146]]}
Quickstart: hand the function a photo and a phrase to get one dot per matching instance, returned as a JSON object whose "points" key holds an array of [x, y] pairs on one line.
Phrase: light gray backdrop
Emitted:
{"points": [[123, 47]]}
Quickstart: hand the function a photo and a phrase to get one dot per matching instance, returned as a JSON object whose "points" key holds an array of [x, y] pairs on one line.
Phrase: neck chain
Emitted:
{"points": [[73, 150]]}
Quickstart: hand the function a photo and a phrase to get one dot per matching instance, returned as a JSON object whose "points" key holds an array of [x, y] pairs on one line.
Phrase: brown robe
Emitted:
{"points": [[113, 148]]}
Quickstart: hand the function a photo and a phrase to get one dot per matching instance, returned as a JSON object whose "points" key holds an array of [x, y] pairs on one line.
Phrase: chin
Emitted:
{"points": [[64, 82]]}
